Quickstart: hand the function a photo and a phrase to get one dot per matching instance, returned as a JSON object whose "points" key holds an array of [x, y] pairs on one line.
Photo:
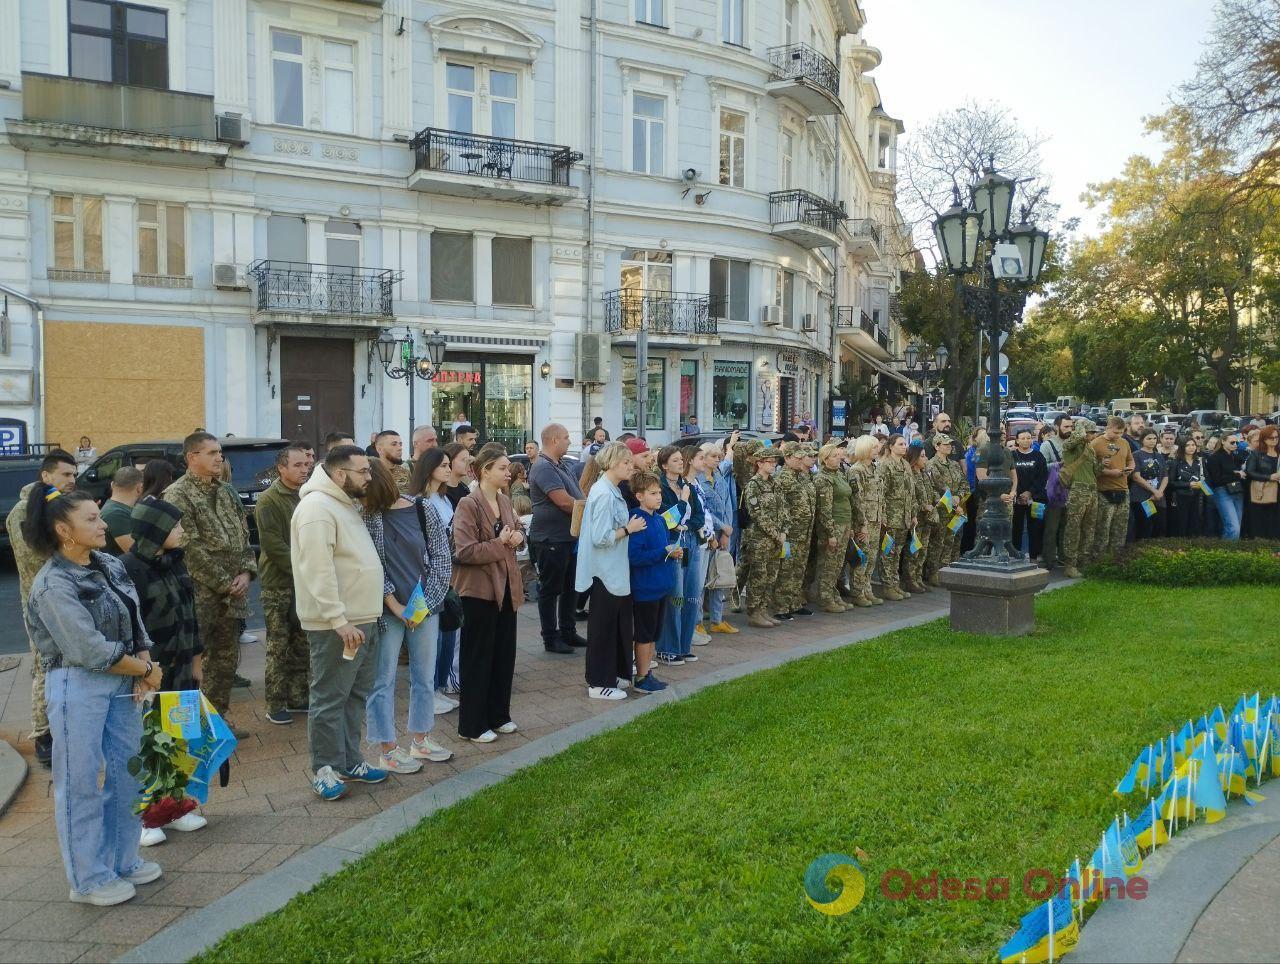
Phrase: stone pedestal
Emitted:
{"points": [[993, 599]]}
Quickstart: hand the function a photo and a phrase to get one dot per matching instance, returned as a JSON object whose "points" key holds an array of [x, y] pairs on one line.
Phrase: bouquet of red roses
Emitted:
{"points": [[157, 768]]}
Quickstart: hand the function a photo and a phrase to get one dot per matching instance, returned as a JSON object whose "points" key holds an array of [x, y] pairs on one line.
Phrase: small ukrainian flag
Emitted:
{"points": [[947, 501], [914, 545], [415, 610], [1149, 508], [672, 517], [956, 523], [1203, 486], [785, 552], [887, 544], [1037, 510]]}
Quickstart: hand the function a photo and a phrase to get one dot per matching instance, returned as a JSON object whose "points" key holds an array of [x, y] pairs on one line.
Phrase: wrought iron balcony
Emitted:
{"points": [[805, 218], [477, 165], [320, 289], [866, 242], [807, 76], [629, 310], [855, 318]]}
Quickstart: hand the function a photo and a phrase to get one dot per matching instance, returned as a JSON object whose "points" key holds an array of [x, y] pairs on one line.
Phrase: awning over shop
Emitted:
{"points": [[885, 370]]}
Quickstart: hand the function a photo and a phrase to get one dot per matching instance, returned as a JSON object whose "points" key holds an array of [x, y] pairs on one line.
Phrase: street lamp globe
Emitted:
{"points": [[388, 348], [957, 231], [993, 199], [436, 347], [940, 356], [1031, 242], [912, 353]]}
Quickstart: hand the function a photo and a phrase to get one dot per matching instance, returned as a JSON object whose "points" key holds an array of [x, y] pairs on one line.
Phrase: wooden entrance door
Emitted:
{"points": [[318, 383]]}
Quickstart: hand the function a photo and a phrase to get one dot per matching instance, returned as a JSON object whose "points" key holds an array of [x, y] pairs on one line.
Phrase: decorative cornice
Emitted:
{"points": [[673, 74]]}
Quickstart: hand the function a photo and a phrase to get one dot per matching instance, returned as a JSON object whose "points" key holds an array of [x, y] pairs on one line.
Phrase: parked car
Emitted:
{"points": [[1209, 418], [253, 463], [15, 472]]}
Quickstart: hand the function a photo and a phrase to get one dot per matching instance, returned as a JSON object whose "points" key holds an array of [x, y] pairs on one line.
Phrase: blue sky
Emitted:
{"points": [[1083, 72]]}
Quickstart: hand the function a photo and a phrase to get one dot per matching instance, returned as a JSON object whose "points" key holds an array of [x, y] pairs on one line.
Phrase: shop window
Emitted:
{"points": [[656, 389], [730, 395], [688, 392]]}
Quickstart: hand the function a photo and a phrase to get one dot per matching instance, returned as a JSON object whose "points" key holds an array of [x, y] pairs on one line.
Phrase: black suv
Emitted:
{"points": [[15, 472], [253, 464]]}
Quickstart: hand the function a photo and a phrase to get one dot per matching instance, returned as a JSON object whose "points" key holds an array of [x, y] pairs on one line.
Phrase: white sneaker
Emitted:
{"points": [[115, 892], [247, 637], [188, 822], [625, 684], [429, 749], [147, 871], [605, 693], [443, 704], [488, 736], [701, 639], [508, 727], [398, 761], [152, 836]]}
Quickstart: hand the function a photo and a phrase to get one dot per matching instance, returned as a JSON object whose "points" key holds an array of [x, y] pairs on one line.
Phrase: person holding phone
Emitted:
{"points": [[1115, 465]]}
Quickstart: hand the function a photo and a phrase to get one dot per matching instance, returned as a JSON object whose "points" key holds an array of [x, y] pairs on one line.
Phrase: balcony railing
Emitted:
{"points": [[660, 312], [850, 316], [806, 207], [320, 289], [117, 107], [802, 62], [865, 227], [500, 158]]}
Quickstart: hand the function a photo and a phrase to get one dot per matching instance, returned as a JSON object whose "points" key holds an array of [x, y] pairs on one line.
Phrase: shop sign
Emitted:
{"points": [[839, 406], [452, 376], [789, 362]]}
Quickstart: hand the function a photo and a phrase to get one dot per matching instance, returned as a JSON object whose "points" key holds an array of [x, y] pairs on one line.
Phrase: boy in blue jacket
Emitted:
{"points": [[652, 576]]}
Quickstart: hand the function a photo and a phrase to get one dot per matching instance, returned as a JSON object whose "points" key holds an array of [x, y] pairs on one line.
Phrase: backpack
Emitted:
{"points": [[1056, 489]]}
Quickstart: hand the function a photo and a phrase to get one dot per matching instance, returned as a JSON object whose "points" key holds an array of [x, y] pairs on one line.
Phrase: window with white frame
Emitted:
{"points": [[730, 289], [648, 133], [77, 234], [330, 98], [733, 148], [470, 111], [512, 266], [646, 270], [118, 42], [504, 89], [784, 296], [342, 244], [790, 14], [652, 12], [733, 20], [452, 266], [162, 239], [786, 161], [460, 82]]}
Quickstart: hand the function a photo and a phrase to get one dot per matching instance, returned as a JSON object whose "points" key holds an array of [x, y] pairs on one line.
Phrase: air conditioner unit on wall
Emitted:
{"points": [[593, 352], [771, 315], [229, 276], [809, 322], [232, 129]]}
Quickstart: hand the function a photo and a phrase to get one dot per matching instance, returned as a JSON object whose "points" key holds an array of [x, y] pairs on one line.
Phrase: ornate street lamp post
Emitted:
{"points": [[925, 368], [400, 359], [992, 585]]}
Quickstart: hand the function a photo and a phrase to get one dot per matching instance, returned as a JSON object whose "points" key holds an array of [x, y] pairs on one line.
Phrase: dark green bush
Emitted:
{"points": [[1193, 562]]}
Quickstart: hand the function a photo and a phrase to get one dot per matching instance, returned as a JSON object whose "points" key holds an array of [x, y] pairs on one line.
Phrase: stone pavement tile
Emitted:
{"points": [[39, 952], [311, 831], [8, 843], [299, 763], [228, 857], [12, 911], [250, 750], [273, 858], [247, 773], [177, 851], [191, 889], [127, 924], [56, 922], [33, 852], [299, 796], [13, 879], [13, 824], [242, 828], [103, 953], [256, 804], [49, 884]]}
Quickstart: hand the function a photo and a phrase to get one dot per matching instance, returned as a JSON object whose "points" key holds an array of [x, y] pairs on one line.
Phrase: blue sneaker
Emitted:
{"points": [[650, 684], [327, 785], [363, 773]]}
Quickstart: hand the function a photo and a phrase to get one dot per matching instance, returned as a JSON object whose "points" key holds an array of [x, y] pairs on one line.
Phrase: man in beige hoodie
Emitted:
{"points": [[339, 585]]}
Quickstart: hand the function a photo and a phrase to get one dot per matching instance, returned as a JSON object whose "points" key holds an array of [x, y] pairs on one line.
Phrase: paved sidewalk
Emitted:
{"points": [[268, 813]]}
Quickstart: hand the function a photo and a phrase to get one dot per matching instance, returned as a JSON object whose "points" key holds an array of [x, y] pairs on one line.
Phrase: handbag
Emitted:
{"points": [[723, 573], [575, 519], [1263, 493]]}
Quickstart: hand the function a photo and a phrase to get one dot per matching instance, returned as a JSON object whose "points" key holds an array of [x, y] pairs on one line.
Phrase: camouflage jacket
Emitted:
{"points": [[768, 515], [1079, 460], [401, 474], [899, 492], [925, 509], [868, 498], [742, 469], [796, 490], [215, 532], [833, 503], [28, 560], [273, 513], [943, 474]]}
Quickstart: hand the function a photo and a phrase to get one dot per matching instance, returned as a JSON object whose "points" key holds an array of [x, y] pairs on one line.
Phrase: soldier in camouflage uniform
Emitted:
{"points": [[943, 475], [288, 653], [868, 519], [59, 471], [1080, 472], [763, 542], [926, 521], [833, 518], [390, 449], [899, 493], [795, 485], [215, 538], [743, 469]]}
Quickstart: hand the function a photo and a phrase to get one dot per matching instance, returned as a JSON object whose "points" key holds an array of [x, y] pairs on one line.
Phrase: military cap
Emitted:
{"points": [[762, 453], [942, 438]]}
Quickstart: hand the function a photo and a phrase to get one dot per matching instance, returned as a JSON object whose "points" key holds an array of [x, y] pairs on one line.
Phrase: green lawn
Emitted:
{"points": [[686, 834]]}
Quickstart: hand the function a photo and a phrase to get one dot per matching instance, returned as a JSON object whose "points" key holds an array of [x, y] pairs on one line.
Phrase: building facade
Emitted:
{"points": [[211, 210]]}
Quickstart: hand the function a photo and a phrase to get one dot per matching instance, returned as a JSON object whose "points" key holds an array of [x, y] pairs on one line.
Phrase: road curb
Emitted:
{"points": [[259, 897], [13, 772]]}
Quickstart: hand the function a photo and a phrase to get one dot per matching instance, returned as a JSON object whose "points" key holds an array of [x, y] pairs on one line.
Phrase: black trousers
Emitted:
{"points": [[557, 565], [608, 637], [969, 534], [1154, 528], [1022, 519], [1265, 520], [486, 663], [1186, 518]]}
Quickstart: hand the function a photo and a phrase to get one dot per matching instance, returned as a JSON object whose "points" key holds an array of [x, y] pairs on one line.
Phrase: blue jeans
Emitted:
{"points": [[678, 622], [93, 730], [1230, 509], [715, 605], [380, 710], [446, 654]]}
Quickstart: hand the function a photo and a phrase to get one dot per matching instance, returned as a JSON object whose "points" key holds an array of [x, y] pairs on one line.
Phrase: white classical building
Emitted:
{"points": [[211, 210]]}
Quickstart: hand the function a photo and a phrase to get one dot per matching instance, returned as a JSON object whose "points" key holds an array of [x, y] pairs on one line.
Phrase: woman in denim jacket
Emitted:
{"points": [[85, 623]]}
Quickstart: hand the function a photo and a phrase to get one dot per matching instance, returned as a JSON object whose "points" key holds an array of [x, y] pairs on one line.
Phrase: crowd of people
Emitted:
{"points": [[369, 561]]}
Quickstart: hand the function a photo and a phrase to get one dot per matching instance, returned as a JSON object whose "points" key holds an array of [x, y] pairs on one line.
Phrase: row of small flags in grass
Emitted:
{"points": [[1188, 775]]}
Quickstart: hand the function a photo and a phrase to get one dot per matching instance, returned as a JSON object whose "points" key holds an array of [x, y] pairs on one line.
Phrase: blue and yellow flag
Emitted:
{"points": [[947, 500], [415, 610], [1206, 790], [672, 517], [202, 734], [887, 544], [956, 523], [1046, 933], [915, 545], [1149, 830], [1148, 508], [785, 551], [1037, 510], [1203, 486]]}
